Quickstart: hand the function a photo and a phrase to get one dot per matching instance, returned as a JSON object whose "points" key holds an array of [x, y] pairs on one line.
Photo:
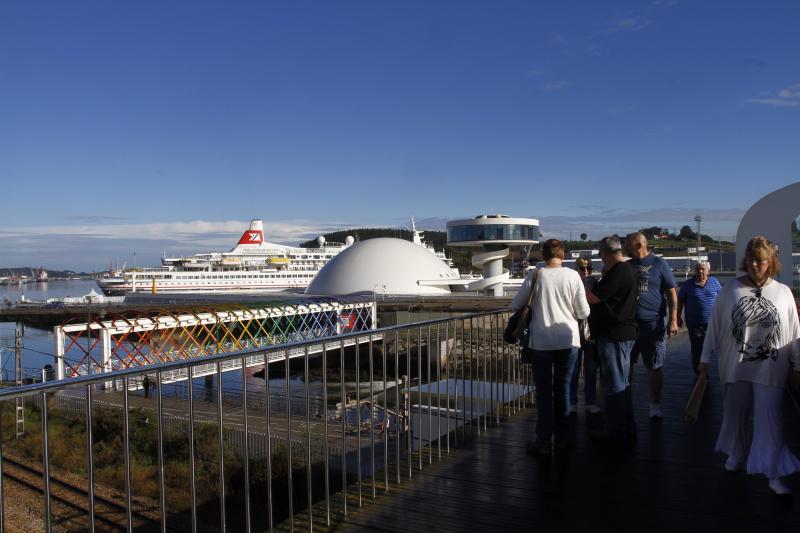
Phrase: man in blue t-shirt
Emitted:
{"points": [[657, 295], [696, 300]]}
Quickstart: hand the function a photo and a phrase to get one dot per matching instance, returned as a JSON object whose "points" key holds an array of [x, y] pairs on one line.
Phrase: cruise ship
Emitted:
{"points": [[253, 265]]}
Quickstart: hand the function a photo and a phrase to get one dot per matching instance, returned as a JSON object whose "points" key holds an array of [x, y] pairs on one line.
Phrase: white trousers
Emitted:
{"points": [[766, 453]]}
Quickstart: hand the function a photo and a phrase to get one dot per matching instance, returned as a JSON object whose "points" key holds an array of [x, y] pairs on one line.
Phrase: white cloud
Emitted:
{"points": [[557, 85], [788, 97], [92, 247], [88, 247], [632, 23]]}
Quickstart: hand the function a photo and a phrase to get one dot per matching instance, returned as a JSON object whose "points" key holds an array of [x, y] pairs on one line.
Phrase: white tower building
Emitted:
{"points": [[491, 236]]}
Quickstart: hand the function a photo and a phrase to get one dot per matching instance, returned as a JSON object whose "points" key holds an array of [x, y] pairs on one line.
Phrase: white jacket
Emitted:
{"points": [[559, 301]]}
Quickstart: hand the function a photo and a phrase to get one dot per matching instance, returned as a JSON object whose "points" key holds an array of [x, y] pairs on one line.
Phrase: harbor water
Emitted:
{"points": [[38, 344]]}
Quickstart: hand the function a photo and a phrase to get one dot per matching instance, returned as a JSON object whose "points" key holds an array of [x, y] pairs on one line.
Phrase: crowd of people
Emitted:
{"points": [[600, 326]]}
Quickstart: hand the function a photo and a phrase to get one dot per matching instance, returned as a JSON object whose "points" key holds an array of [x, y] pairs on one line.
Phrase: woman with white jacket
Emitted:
{"points": [[559, 301], [753, 334]]}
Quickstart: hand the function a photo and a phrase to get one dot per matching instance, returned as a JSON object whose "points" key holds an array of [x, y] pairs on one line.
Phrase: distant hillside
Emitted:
{"points": [[28, 271]]}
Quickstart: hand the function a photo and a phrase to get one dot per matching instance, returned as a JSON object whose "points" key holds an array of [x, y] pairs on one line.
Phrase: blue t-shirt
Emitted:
{"points": [[698, 301], [655, 277]]}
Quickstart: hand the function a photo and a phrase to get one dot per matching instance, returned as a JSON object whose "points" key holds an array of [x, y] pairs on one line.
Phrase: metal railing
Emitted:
{"points": [[384, 407]]}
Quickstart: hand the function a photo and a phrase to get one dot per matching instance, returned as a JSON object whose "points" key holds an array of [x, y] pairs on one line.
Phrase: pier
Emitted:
{"points": [[455, 461], [669, 480]]}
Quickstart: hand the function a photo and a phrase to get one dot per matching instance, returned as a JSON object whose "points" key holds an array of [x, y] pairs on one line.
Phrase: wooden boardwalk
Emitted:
{"points": [[669, 480]]}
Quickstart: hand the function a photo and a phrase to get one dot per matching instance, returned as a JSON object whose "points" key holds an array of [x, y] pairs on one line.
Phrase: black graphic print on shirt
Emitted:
{"points": [[756, 326], [644, 277]]}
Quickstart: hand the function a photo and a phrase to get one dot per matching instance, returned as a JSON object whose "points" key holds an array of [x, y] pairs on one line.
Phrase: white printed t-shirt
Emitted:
{"points": [[754, 338]]}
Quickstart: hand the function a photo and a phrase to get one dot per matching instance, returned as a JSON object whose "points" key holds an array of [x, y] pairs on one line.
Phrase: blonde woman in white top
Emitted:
{"points": [[753, 334], [559, 301]]}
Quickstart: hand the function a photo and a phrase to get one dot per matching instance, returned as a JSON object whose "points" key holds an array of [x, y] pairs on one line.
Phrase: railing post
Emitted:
{"points": [[325, 431], [45, 465], [268, 409], [289, 441], [343, 419], [58, 332], [126, 434], [162, 496], [105, 337], [90, 457], [310, 498]]}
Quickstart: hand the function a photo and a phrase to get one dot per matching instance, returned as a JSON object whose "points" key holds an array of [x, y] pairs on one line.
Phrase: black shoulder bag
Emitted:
{"points": [[521, 319]]}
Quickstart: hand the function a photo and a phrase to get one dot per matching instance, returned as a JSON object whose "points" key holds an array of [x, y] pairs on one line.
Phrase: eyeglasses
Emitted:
{"points": [[756, 261]]}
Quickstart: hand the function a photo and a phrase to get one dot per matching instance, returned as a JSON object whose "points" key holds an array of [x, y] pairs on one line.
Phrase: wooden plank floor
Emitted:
{"points": [[669, 480]]}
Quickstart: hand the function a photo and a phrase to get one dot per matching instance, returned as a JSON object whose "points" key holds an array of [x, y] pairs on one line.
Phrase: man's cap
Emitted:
{"points": [[582, 262]]}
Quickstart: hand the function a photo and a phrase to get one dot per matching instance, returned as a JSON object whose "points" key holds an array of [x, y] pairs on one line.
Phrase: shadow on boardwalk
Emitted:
{"points": [[670, 480]]}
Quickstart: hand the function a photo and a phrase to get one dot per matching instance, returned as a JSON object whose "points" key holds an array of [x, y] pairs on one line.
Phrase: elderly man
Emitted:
{"points": [[614, 328], [656, 294], [696, 300]]}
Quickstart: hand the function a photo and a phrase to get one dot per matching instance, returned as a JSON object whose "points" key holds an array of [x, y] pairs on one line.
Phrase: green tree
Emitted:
{"points": [[687, 234], [653, 231]]}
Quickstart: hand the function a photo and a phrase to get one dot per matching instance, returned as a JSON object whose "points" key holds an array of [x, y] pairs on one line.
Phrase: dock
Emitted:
{"points": [[670, 480]]}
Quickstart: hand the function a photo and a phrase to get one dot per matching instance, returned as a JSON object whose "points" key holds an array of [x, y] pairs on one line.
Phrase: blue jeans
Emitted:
{"points": [[697, 335], [587, 354], [551, 375], [615, 366]]}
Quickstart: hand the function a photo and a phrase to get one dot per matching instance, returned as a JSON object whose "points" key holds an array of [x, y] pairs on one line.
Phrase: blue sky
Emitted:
{"points": [[154, 127]]}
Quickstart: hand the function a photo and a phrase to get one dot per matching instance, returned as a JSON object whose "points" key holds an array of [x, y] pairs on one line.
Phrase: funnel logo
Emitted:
{"points": [[251, 237]]}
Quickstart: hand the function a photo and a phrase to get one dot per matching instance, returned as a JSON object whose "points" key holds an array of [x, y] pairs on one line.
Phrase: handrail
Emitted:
{"points": [[50, 386], [398, 417]]}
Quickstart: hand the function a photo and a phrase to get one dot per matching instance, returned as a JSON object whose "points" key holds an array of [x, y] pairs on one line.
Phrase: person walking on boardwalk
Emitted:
{"points": [[696, 300], [613, 325], [559, 301], [656, 294], [753, 333], [586, 355]]}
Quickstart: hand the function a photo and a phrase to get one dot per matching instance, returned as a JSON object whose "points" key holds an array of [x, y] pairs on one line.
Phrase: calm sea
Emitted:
{"points": [[38, 344]]}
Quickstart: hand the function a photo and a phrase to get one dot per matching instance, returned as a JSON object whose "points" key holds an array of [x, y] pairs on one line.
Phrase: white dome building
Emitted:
{"points": [[385, 266]]}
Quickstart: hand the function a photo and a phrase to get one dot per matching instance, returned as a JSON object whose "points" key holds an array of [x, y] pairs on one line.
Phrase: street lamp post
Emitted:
{"points": [[698, 220]]}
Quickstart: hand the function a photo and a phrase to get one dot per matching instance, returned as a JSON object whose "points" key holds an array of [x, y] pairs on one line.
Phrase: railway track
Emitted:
{"points": [[69, 503]]}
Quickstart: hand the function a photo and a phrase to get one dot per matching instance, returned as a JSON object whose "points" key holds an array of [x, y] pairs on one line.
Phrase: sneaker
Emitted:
{"points": [[731, 465], [537, 448], [779, 488], [655, 411], [594, 409]]}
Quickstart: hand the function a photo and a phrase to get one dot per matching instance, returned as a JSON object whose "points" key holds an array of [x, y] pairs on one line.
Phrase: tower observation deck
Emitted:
{"points": [[492, 236]]}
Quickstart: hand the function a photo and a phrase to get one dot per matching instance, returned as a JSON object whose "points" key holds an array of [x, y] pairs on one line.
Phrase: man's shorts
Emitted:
{"points": [[651, 343]]}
